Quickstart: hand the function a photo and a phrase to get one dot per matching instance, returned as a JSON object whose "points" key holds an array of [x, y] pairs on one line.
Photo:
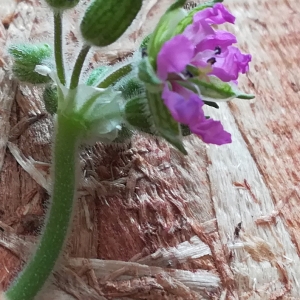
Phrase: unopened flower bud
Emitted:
{"points": [[105, 21], [26, 58], [137, 114]]}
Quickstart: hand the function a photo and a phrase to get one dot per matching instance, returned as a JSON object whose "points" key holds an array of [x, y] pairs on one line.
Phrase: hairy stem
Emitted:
{"points": [[34, 275], [78, 66], [58, 51], [115, 76]]}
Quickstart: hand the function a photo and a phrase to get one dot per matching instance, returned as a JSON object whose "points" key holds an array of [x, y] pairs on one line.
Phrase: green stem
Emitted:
{"points": [[58, 47], [78, 66], [33, 277], [114, 77]]}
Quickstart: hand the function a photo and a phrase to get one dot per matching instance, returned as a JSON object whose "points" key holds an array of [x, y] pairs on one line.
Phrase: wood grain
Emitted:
{"points": [[221, 223]]}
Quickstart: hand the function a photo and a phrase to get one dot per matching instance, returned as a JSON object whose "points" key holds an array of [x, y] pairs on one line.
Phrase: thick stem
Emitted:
{"points": [[33, 277], [58, 51], [114, 77], [78, 66]]}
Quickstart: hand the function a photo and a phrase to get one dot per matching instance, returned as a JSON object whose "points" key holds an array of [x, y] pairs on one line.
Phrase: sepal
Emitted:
{"points": [[164, 124], [213, 89], [50, 98]]}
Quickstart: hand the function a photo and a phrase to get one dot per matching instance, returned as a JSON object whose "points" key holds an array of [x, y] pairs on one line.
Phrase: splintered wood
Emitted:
{"points": [[221, 223]]}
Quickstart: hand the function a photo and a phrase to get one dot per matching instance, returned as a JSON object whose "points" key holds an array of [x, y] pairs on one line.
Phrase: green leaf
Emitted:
{"points": [[166, 126]]}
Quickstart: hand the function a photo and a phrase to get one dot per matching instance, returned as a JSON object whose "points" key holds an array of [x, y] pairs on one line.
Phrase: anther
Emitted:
{"points": [[218, 50], [211, 60]]}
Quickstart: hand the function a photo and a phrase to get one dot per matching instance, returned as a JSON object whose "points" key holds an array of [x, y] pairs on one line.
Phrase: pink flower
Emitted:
{"points": [[210, 51], [202, 46]]}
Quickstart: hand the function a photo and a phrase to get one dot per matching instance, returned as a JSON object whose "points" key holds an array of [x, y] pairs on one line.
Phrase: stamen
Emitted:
{"points": [[218, 50], [211, 60]]}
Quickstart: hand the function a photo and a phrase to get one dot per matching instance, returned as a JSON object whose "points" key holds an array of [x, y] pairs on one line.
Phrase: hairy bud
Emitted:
{"points": [[105, 21], [26, 58]]}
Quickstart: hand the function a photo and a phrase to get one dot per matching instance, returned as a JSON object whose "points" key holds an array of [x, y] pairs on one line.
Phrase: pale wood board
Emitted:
{"points": [[156, 224]]}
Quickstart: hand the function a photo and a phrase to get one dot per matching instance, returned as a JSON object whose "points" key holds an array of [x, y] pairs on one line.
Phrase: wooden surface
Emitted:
{"points": [[150, 223]]}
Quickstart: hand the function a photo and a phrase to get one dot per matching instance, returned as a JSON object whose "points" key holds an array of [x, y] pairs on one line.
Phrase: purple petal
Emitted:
{"points": [[174, 56], [182, 110], [222, 39], [211, 132], [189, 112], [179, 89], [197, 31], [217, 14], [230, 63]]}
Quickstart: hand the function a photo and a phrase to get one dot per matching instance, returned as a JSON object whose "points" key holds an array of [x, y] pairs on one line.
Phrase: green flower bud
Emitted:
{"points": [[137, 115], [130, 87], [26, 58], [150, 115], [105, 21], [62, 4], [50, 98]]}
